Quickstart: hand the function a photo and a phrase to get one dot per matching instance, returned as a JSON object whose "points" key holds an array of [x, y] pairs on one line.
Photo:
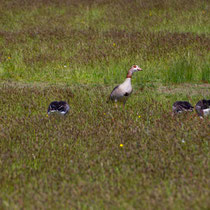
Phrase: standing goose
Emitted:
{"points": [[60, 107], [203, 108], [124, 90], [182, 106]]}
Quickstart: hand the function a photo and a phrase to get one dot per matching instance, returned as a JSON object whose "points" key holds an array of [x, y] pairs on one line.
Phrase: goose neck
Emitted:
{"points": [[127, 80], [129, 74]]}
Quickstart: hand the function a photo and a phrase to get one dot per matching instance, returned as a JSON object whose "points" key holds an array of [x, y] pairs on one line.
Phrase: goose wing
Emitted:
{"points": [[53, 106], [63, 107], [204, 104], [185, 105], [180, 106]]}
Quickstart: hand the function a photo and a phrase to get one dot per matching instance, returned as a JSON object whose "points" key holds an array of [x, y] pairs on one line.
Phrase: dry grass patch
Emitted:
{"points": [[77, 161]]}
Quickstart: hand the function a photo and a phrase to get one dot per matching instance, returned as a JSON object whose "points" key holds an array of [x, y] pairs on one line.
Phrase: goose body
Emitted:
{"points": [[203, 108], [182, 106], [60, 107], [122, 92]]}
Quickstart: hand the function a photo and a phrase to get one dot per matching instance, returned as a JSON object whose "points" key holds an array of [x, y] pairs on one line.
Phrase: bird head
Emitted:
{"points": [[135, 68]]}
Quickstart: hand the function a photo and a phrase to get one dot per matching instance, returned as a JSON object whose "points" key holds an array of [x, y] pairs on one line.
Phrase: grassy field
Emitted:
{"points": [[100, 156]]}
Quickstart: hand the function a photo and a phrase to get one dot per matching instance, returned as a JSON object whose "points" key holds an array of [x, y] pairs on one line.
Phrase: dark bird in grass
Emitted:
{"points": [[60, 107], [182, 106], [203, 108], [122, 92]]}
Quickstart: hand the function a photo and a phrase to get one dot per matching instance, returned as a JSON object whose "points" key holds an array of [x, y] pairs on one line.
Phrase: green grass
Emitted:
{"points": [[92, 38], [78, 51], [180, 71], [205, 73]]}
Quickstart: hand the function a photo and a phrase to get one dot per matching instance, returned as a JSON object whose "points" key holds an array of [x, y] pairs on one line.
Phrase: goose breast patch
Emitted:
{"points": [[126, 94]]}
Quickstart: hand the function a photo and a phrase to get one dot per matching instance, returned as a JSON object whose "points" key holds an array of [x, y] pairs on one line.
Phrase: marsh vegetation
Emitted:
{"points": [[98, 156]]}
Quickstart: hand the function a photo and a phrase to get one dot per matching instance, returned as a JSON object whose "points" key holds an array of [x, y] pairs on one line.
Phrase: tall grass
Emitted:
{"points": [[43, 38], [180, 71], [205, 72]]}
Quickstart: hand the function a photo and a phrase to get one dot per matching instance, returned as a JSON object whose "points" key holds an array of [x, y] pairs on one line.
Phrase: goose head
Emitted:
{"points": [[135, 68]]}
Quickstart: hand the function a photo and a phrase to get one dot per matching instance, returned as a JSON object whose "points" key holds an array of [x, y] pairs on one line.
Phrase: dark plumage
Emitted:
{"points": [[60, 107], [203, 107], [111, 95], [182, 106]]}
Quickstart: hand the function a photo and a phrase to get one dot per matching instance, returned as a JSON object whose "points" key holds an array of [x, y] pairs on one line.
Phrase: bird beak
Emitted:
{"points": [[139, 69]]}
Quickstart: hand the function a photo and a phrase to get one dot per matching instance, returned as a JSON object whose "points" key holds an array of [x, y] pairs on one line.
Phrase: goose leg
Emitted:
{"points": [[124, 104]]}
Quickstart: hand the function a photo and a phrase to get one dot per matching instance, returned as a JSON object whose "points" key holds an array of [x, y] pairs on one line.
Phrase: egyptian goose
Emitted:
{"points": [[182, 106], [124, 90], [203, 108], [60, 107]]}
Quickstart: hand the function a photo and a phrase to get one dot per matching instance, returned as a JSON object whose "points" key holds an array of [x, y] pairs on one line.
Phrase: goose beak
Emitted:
{"points": [[139, 69]]}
